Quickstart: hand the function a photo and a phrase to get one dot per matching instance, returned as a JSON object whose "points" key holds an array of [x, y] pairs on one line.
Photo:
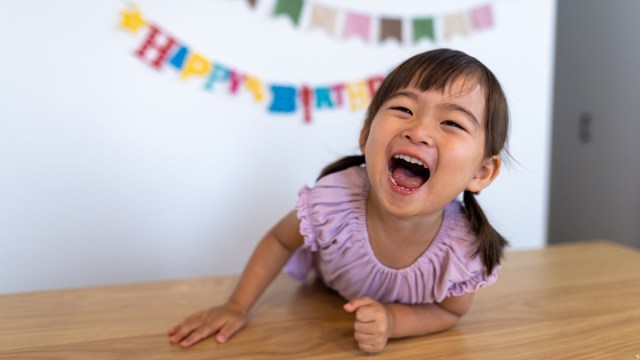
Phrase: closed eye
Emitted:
{"points": [[402, 109], [453, 124]]}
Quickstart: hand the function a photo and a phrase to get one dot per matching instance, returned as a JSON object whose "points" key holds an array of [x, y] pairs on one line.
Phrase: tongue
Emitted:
{"points": [[407, 178]]}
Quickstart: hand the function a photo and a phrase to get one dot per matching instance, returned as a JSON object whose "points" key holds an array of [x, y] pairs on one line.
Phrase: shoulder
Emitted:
{"points": [[333, 207], [345, 185], [355, 176], [456, 227], [461, 270]]}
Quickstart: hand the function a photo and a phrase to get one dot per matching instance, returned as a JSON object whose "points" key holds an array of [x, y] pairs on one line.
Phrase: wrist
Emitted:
{"points": [[391, 320], [237, 306]]}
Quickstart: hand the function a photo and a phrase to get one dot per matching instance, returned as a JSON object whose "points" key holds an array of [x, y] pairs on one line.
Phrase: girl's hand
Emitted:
{"points": [[373, 323], [224, 321]]}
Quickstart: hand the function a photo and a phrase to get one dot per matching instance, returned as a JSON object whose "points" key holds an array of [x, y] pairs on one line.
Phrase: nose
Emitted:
{"points": [[419, 133]]}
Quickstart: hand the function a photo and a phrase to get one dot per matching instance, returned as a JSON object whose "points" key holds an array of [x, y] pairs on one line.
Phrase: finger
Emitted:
{"points": [[368, 314], [364, 338], [183, 330], [369, 343], [172, 330], [371, 348], [357, 303], [363, 328], [228, 330], [196, 336]]}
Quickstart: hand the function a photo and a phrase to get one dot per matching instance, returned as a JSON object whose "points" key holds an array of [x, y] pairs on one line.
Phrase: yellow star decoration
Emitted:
{"points": [[132, 19]]}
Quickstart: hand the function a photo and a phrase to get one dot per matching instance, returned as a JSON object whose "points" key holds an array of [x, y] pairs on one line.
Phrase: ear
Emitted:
{"points": [[485, 174]]}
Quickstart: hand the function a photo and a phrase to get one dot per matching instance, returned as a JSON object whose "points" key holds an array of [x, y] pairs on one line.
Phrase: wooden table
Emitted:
{"points": [[578, 301]]}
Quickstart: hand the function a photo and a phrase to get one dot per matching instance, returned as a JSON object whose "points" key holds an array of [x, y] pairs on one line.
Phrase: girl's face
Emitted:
{"points": [[425, 148]]}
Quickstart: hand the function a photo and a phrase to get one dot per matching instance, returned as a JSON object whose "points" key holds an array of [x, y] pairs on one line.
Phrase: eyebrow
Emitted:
{"points": [[404, 93], [456, 107]]}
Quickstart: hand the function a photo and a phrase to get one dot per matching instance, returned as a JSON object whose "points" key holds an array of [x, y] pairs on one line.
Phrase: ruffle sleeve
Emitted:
{"points": [[330, 213], [332, 210], [457, 270]]}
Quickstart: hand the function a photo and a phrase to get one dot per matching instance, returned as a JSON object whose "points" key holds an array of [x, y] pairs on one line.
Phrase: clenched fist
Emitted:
{"points": [[373, 323]]}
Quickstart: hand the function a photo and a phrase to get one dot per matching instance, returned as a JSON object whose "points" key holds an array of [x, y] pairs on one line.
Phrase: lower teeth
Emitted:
{"points": [[400, 186]]}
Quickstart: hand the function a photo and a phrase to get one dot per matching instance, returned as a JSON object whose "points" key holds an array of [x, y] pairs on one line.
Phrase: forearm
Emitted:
{"points": [[415, 320], [265, 263], [272, 252]]}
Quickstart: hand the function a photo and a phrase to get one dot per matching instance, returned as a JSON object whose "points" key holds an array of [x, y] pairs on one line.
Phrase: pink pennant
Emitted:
{"points": [[482, 17], [357, 25]]}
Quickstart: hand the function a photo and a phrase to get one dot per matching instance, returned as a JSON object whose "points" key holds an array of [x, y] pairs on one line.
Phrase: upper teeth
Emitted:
{"points": [[410, 159]]}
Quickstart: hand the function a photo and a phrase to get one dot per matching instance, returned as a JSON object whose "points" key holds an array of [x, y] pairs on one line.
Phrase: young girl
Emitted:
{"points": [[385, 229]]}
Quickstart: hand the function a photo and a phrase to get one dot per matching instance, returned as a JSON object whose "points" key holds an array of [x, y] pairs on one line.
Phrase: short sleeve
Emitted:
{"points": [[460, 270], [329, 212]]}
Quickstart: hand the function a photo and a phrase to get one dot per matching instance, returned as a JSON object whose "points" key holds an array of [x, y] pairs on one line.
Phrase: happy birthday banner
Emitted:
{"points": [[360, 25], [159, 49]]}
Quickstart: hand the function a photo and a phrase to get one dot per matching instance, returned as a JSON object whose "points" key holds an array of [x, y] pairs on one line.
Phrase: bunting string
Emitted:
{"points": [[159, 49], [434, 28]]}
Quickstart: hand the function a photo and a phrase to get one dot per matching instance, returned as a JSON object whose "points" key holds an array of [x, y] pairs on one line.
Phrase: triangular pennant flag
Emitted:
{"points": [[456, 24], [423, 28], [357, 25], [323, 17], [291, 8], [391, 28], [482, 17]]}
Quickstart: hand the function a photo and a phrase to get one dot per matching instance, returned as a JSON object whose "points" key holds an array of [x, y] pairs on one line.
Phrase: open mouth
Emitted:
{"points": [[407, 172]]}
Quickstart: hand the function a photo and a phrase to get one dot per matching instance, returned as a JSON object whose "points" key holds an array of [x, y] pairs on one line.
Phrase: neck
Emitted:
{"points": [[399, 241]]}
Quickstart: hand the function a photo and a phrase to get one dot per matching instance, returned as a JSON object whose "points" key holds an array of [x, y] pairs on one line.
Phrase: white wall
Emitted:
{"points": [[112, 172]]}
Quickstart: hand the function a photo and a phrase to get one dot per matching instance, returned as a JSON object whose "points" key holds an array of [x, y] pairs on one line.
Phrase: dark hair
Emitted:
{"points": [[434, 70]]}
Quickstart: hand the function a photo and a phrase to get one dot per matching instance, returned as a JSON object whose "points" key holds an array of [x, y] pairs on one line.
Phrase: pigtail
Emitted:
{"points": [[491, 243], [342, 164]]}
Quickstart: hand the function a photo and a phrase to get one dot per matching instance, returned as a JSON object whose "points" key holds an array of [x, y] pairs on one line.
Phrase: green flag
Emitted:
{"points": [[423, 28], [292, 8]]}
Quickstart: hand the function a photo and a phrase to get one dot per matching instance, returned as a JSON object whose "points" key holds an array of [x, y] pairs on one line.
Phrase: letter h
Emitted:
{"points": [[154, 42]]}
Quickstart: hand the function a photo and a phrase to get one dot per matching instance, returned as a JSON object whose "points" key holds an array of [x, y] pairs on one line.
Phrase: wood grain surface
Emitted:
{"points": [[574, 301]]}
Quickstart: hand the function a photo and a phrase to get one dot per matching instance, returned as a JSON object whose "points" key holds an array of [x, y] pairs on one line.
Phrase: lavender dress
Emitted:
{"points": [[336, 246]]}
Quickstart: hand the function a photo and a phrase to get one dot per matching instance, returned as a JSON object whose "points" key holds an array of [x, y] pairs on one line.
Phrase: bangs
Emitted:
{"points": [[434, 72]]}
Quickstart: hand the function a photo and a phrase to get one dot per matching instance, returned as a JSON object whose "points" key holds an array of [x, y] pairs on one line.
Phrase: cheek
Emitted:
{"points": [[371, 140], [465, 157]]}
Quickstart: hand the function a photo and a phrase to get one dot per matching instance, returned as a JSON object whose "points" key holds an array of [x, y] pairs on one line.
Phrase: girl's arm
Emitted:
{"points": [[376, 323], [267, 261]]}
